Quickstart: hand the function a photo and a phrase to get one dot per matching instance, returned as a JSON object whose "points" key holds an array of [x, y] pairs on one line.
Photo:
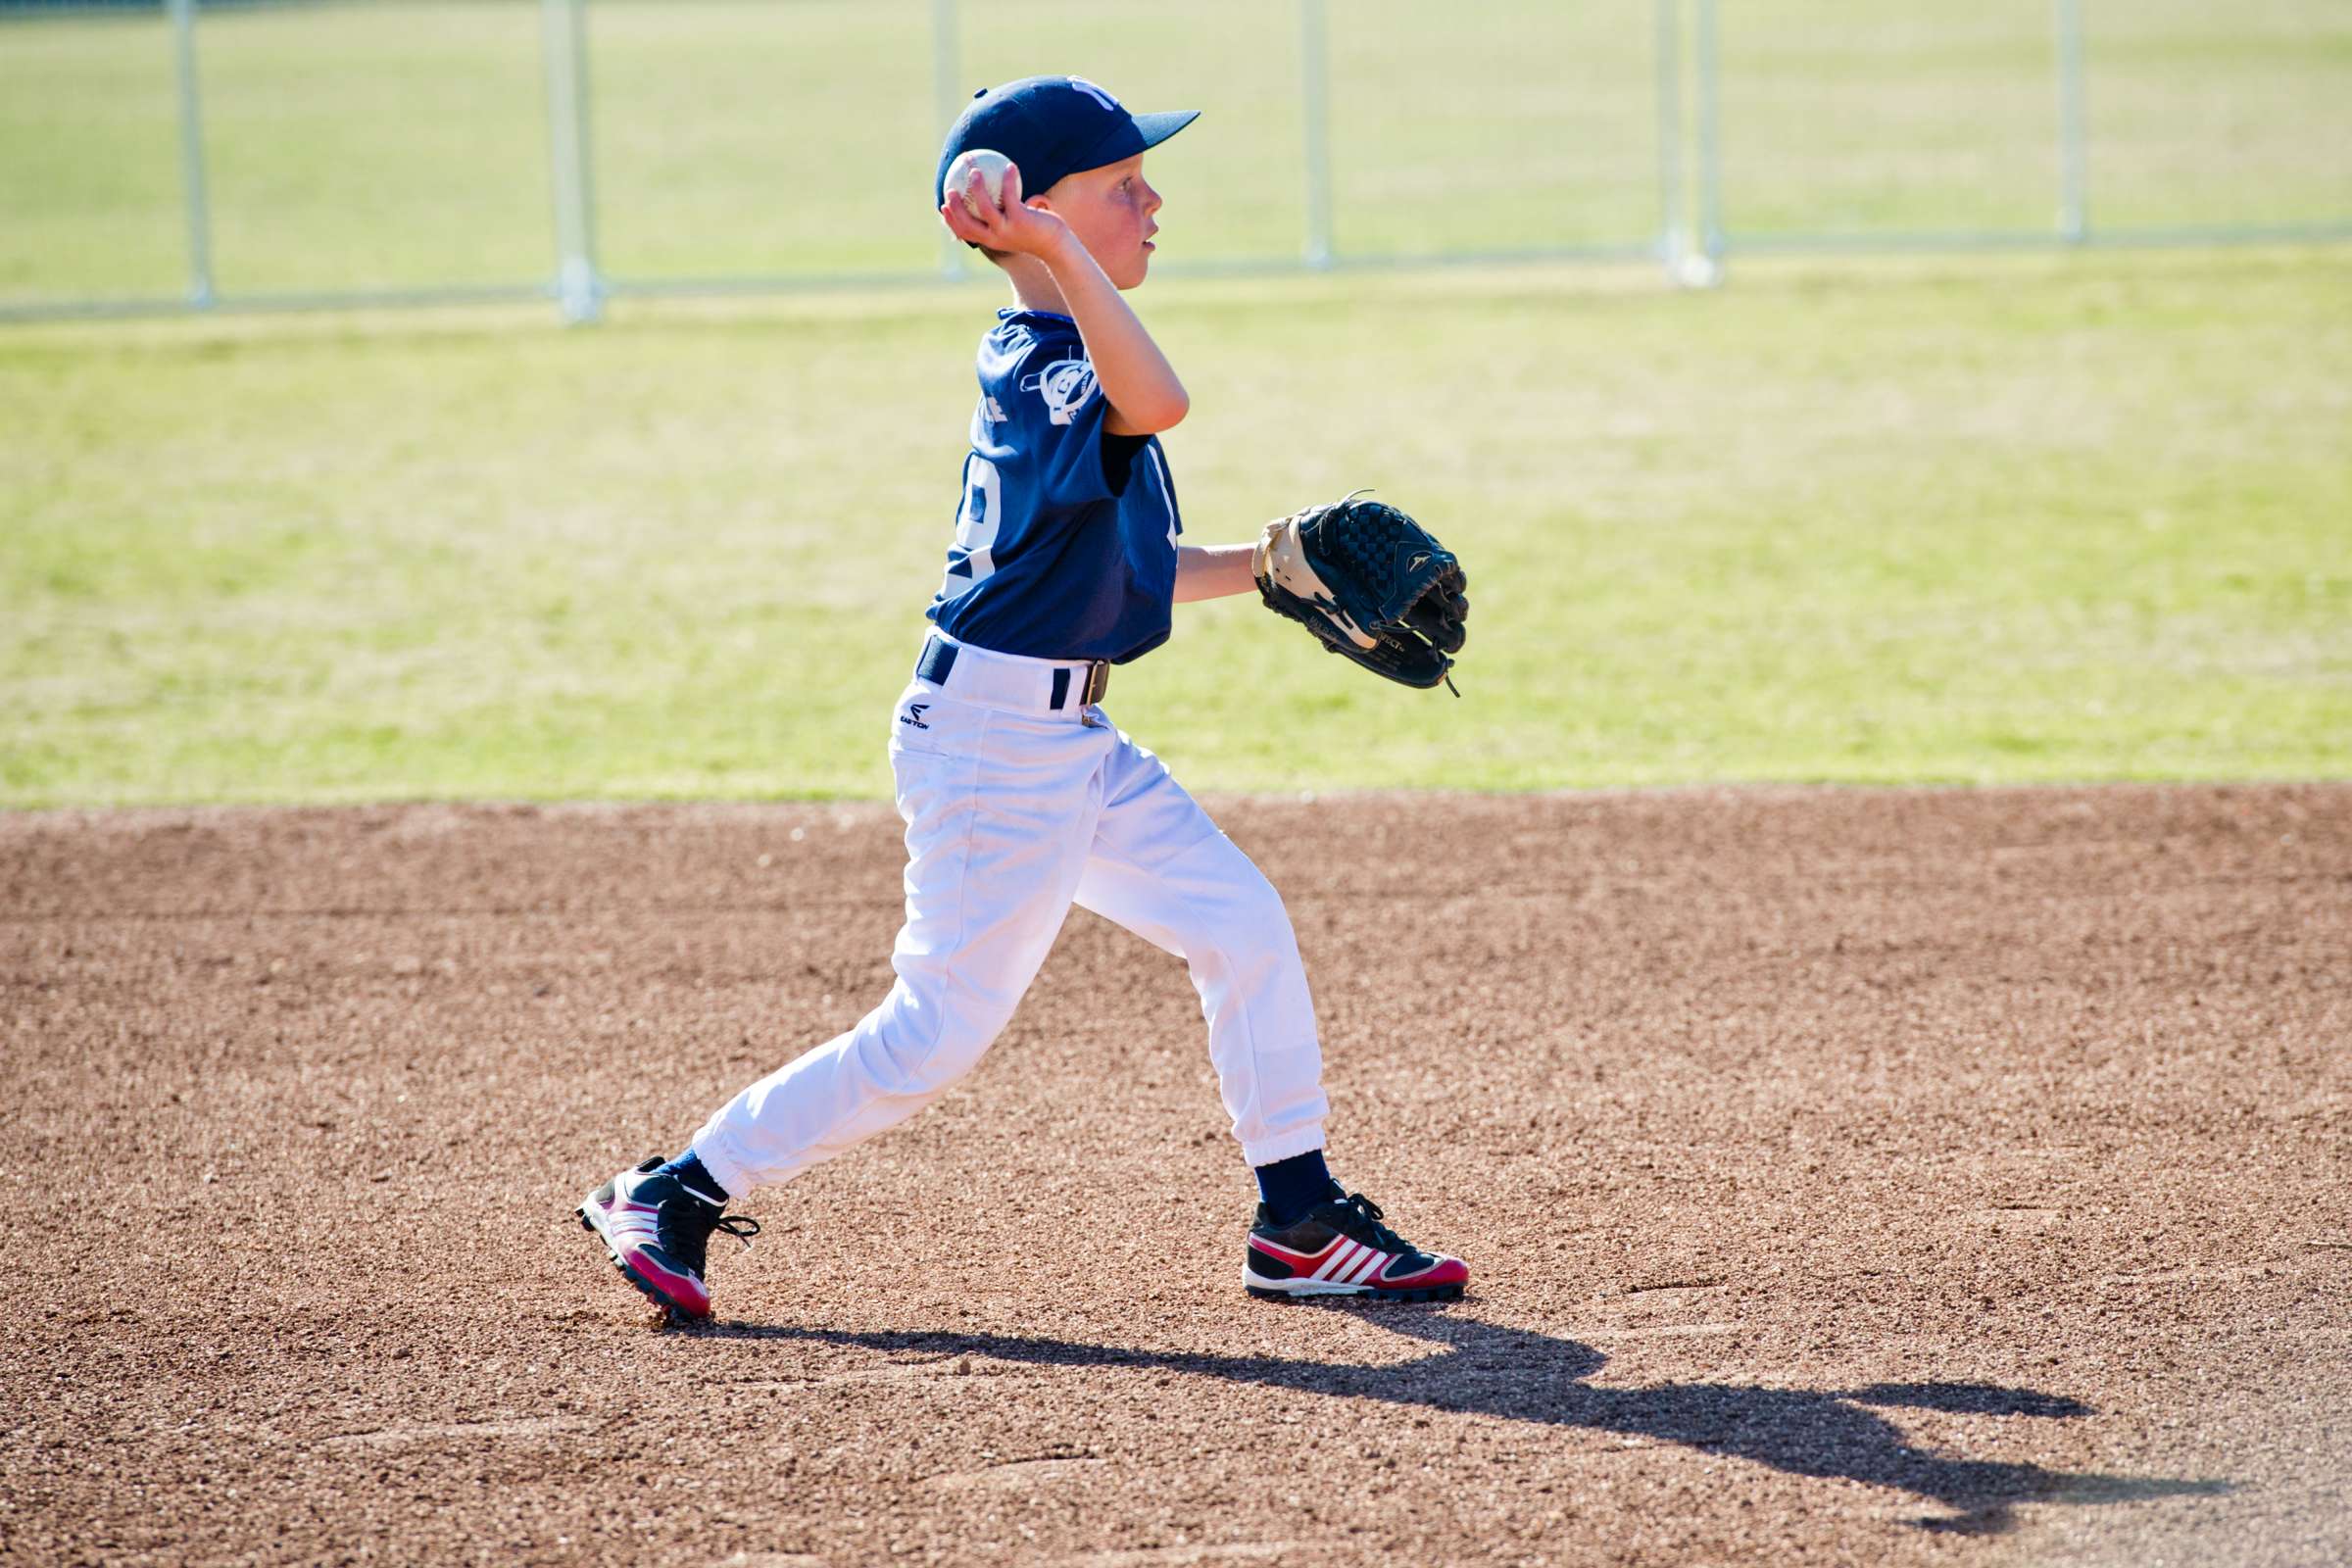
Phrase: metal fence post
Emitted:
{"points": [[1705, 269], [1315, 64], [191, 158], [1674, 239], [579, 292], [947, 93], [2073, 179]]}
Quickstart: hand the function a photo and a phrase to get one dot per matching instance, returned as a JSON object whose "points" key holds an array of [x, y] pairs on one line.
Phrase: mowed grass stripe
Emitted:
{"points": [[2017, 519]]}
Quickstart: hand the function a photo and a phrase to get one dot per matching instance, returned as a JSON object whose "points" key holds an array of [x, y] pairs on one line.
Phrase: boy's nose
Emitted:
{"points": [[1150, 199]]}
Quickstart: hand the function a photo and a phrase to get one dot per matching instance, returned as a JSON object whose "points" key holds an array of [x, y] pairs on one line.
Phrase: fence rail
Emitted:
{"points": [[333, 156]]}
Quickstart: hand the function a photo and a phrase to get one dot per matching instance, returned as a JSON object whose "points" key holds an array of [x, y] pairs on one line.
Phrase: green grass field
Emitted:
{"points": [[397, 145], [1941, 116], [2015, 519]]}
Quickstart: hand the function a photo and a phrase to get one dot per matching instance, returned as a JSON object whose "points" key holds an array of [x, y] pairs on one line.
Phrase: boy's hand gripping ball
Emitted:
{"points": [[992, 166]]}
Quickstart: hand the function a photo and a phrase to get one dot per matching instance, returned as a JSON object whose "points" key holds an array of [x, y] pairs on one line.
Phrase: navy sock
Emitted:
{"points": [[1291, 1186], [695, 1178]]}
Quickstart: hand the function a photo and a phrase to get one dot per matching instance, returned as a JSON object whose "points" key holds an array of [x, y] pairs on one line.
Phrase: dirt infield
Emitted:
{"points": [[1881, 1178]]}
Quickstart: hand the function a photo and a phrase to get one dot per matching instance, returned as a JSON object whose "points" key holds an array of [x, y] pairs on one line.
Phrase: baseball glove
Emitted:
{"points": [[1370, 583]]}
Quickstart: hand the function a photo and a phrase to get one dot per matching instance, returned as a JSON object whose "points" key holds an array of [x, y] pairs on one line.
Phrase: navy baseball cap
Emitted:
{"points": [[1050, 127]]}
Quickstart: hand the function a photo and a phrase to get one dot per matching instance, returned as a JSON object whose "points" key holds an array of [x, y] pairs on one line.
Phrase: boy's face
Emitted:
{"points": [[1110, 209]]}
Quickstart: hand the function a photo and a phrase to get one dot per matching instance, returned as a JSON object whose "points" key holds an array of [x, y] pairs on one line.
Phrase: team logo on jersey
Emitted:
{"points": [[1064, 386], [1095, 93], [915, 714], [993, 411]]}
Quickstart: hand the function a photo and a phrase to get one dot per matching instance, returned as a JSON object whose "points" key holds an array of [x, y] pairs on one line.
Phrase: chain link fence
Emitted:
{"points": [[176, 156]]}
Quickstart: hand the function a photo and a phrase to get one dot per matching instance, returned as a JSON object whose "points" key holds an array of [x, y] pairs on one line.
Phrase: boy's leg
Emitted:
{"points": [[998, 828], [1163, 869]]}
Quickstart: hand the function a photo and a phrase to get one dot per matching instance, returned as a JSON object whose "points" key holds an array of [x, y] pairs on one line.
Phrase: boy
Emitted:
{"points": [[1019, 796]]}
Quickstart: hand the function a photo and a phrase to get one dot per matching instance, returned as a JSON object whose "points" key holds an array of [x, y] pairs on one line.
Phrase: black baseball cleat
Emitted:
{"points": [[656, 1230], [1340, 1247]]}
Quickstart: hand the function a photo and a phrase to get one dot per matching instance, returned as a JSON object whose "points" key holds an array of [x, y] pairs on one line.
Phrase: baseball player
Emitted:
{"points": [[1020, 795]]}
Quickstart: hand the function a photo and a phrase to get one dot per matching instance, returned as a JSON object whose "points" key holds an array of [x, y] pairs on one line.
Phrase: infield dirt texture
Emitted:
{"points": [[1849, 1176], [1869, 1177]]}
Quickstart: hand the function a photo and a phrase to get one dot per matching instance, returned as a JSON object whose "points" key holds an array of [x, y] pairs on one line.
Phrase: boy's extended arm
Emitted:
{"points": [[1213, 571]]}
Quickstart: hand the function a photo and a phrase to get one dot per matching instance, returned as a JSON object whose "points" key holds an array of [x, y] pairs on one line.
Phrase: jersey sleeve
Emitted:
{"points": [[1061, 412]]}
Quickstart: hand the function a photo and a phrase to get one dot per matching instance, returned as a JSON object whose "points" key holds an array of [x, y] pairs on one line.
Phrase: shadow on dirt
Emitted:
{"points": [[1524, 1376]]}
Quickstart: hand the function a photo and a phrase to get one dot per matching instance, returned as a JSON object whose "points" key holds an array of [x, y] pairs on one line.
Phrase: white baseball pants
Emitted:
{"points": [[1015, 810]]}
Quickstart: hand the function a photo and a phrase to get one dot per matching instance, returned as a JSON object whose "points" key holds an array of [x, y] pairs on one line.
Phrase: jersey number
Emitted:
{"points": [[969, 560]]}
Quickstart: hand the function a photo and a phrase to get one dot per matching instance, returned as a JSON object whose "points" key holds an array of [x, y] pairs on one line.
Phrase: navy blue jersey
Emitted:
{"points": [[1065, 538]]}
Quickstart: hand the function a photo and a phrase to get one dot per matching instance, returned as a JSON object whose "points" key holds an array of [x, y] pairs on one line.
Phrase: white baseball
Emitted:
{"points": [[992, 166]]}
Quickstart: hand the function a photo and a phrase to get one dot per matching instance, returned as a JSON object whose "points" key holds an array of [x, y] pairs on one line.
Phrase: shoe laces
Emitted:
{"points": [[686, 1223], [1360, 1217], [740, 1226]]}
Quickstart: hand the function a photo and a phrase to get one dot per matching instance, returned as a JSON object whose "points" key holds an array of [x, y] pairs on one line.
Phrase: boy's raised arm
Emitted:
{"points": [[1146, 397], [1136, 378]]}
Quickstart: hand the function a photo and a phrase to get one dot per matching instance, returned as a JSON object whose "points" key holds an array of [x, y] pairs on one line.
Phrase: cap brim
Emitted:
{"points": [[1158, 127], [1129, 137]]}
